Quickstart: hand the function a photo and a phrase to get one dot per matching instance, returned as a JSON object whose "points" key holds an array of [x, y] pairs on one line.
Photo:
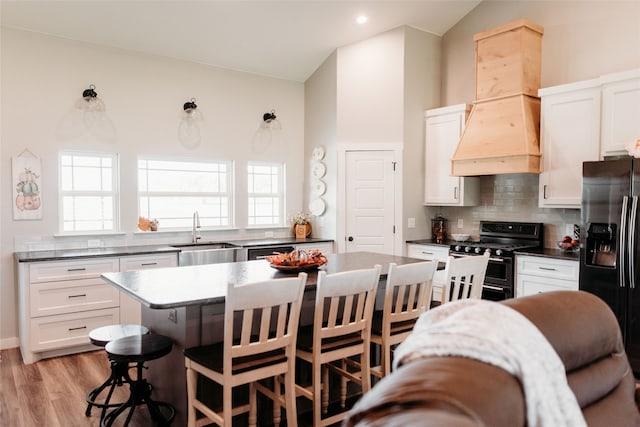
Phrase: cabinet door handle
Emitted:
{"points": [[77, 296], [148, 263], [455, 193], [76, 269], [547, 268], [78, 328], [544, 191]]}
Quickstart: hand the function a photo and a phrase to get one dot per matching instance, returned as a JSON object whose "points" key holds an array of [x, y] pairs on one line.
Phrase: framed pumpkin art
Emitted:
{"points": [[26, 175]]}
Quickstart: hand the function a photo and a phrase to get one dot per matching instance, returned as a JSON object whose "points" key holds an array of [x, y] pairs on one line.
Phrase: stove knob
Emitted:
{"points": [[487, 251], [467, 249], [478, 250], [499, 252], [457, 248]]}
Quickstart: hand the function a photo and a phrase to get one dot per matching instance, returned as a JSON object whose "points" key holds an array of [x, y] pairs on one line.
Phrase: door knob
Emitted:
{"points": [[350, 238]]}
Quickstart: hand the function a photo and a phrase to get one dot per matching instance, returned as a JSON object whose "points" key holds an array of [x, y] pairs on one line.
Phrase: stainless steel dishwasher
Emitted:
{"points": [[265, 251]]}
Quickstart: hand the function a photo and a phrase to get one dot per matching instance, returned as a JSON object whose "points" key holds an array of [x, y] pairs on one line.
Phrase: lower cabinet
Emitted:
{"points": [[60, 302], [324, 247], [130, 310], [439, 253], [542, 274]]}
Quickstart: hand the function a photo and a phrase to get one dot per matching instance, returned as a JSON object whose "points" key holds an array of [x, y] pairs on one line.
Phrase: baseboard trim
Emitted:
{"points": [[7, 343]]}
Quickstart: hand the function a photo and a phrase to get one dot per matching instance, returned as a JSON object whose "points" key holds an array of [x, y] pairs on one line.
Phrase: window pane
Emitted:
{"points": [[266, 194], [171, 191], [87, 193]]}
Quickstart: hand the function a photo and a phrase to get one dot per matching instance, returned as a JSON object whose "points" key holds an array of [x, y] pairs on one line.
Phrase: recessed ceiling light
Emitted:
{"points": [[362, 19]]}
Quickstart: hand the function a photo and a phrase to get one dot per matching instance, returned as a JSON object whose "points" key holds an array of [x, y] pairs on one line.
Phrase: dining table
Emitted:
{"points": [[187, 304]]}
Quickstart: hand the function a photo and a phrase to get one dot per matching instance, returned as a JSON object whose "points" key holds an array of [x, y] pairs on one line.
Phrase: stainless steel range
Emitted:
{"points": [[500, 239]]}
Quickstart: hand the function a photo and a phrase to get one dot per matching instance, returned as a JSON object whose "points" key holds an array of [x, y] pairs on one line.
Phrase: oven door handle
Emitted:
{"points": [[493, 288], [497, 259]]}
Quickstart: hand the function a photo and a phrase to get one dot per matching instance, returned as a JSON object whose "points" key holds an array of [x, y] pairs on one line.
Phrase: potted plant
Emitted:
{"points": [[301, 224]]}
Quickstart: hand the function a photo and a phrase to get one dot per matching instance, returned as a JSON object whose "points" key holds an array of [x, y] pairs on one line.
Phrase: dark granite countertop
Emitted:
{"points": [[446, 243], [66, 254], [206, 284], [551, 253]]}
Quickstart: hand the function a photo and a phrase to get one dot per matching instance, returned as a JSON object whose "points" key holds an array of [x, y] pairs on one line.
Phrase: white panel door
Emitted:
{"points": [[370, 183]]}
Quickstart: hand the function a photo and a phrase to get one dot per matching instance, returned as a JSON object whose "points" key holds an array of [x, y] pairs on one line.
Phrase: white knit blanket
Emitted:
{"points": [[498, 335]]}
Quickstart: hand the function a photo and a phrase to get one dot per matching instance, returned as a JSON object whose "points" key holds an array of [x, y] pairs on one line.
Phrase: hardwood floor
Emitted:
{"points": [[52, 392]]}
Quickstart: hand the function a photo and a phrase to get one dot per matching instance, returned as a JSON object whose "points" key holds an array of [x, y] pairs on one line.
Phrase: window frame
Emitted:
{"points": [[230, 194], [114, 192], [281, 194]]}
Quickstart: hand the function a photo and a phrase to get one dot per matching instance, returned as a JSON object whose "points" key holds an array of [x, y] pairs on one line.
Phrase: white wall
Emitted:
{"points": [[582, 40], [41, 79], [370, 90], [320, 130]]}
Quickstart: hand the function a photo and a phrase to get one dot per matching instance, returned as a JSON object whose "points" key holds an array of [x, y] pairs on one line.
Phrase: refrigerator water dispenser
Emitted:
{"points": [[601, 245]]}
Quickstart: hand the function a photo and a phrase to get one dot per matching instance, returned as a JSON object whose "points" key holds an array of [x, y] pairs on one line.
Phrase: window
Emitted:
{"points": [[266, 194], [88, 192], [171, 191]]}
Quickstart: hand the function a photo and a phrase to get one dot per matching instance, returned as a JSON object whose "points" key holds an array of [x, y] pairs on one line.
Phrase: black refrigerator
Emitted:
{"points": [[609, 261]]}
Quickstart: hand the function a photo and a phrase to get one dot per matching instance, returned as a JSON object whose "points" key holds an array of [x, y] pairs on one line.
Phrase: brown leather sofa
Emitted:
{"points": [[461, 392]]}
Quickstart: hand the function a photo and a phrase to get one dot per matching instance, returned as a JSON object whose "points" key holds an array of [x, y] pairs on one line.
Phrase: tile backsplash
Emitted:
{"points": [[510, 197]]}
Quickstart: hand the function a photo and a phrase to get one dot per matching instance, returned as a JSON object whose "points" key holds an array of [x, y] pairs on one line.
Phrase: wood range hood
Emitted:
{"points": [[502, 134]]}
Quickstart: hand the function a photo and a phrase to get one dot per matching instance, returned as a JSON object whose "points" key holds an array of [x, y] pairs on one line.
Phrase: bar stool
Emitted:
{"points": [[138, 349], [119, 371]]}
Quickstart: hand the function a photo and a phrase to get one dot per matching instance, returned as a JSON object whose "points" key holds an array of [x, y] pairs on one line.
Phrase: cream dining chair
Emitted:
{"points": [[462, 277], [340, 331], [260, 331], [407, 295]]}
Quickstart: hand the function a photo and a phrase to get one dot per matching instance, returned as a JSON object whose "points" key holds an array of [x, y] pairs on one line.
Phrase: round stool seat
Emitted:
{"points": [[139, 348], [104, 335]]}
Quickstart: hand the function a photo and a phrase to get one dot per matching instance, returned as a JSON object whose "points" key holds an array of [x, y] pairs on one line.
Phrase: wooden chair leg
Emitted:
{"points": [[343, 384], [386, 359], [253, 407], [192, 379], [290, 398], [227, 407], [277, 400], [317, 391], [325, 389]]}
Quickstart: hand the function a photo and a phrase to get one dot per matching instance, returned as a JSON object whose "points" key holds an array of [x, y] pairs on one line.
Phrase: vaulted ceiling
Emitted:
{"points": [[283, 39]]}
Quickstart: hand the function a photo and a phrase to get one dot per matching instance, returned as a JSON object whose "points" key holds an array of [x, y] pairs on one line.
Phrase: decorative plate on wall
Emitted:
{"points": [[318, 170], [318, 153], [318, 188], [317, 207]]}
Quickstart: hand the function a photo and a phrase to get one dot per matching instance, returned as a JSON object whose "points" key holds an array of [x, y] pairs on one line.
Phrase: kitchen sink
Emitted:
{"points": [[206, 253]]}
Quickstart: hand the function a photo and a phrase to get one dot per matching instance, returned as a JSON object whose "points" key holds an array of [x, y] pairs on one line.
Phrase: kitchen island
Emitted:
{"points": [[187, 304]]}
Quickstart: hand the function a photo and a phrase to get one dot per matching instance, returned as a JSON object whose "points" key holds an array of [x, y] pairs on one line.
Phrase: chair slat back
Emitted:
{"points": [[262, 316], [408, 292], [344, 303], [465, 277]]}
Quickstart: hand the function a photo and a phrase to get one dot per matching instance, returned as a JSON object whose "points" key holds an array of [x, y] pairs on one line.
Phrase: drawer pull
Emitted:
{"points": [[547, 268], [77, 329], [77, 296], [426, 253], [148, 263], [76, 269]]}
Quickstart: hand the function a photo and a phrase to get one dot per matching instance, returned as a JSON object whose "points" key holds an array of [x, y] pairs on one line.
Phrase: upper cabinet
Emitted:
{"points": [[584, 121], [442, 133], [620, 112], [569, 135]]}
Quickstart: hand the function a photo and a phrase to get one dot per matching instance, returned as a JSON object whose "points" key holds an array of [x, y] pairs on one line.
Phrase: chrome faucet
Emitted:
{"points": [[195, 233]]}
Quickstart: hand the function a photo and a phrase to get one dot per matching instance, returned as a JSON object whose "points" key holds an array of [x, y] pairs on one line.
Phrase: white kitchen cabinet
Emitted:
{"points": [[60, 302], [620, 111], [438, 253], [443, 127], [542, 274], [130, 309], [569, 135]]}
